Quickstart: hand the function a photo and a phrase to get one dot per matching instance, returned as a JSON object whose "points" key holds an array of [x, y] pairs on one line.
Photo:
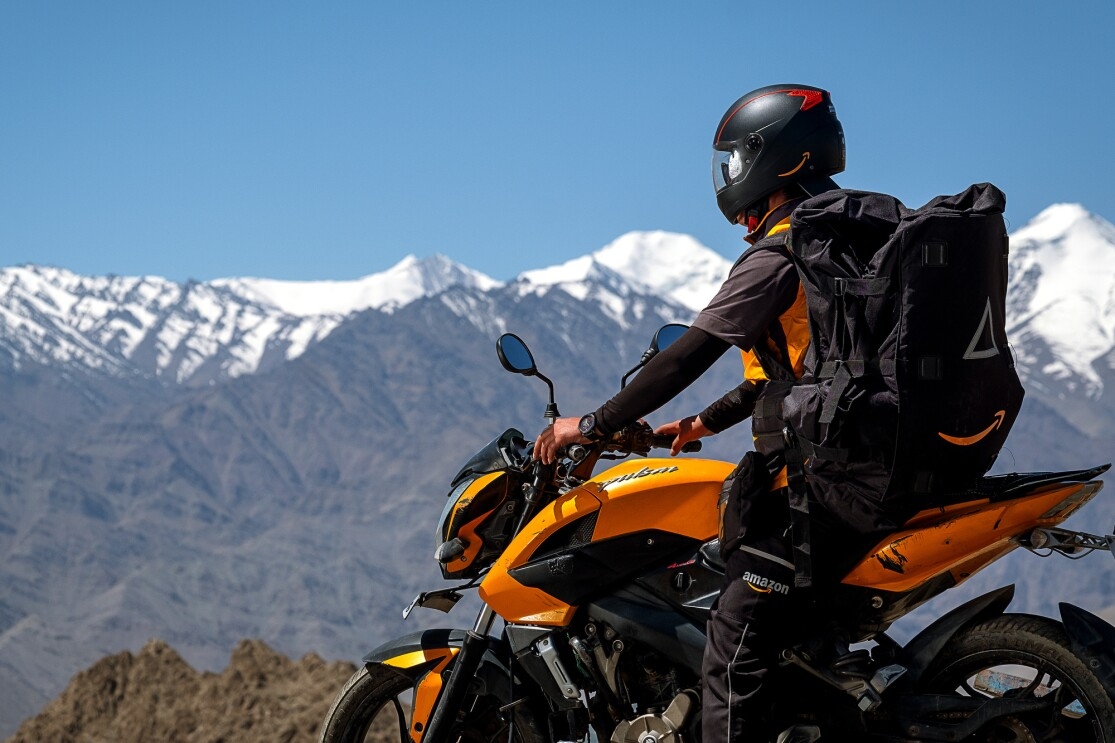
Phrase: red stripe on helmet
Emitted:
{"points": [[810, 98]]}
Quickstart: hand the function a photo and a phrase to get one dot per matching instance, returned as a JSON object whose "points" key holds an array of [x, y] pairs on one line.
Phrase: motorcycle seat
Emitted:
{"points": [[1014, 485], [1018, 484]]}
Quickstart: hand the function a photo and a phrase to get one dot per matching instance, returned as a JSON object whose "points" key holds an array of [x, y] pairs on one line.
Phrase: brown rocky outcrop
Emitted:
{"points": [[154, 695]]}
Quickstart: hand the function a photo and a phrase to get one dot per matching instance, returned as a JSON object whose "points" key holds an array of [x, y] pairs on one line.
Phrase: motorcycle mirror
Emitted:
{"points": [[664, 338], [517, 359], [515, 356]]}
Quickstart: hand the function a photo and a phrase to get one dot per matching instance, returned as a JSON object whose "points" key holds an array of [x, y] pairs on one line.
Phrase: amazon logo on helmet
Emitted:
{"points": [[774, 137]]}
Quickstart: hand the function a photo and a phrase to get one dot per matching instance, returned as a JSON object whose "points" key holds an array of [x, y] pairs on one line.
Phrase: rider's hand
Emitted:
{"points": [[563, 433], [684, 431]]}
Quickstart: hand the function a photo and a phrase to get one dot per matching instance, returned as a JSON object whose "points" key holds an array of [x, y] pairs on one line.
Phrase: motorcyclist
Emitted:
{"points": [[774, 147]]}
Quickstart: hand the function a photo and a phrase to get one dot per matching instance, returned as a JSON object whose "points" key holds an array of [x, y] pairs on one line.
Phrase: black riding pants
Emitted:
{"points": [[759, 612]]}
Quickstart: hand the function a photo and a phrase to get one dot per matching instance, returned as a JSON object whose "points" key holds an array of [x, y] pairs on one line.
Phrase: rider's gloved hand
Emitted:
{"points": [[563, 433], [684, 430]]}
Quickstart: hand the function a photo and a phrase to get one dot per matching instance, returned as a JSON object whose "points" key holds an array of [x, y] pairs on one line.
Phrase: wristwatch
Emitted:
{"points": [[587, 427]]}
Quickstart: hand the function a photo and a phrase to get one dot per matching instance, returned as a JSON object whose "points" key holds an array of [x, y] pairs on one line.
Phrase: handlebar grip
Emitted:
{"points": [[665, 441]]}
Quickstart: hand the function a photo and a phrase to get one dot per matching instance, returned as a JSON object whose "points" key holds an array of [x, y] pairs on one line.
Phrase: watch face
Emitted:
{"points": [[587, 424]]}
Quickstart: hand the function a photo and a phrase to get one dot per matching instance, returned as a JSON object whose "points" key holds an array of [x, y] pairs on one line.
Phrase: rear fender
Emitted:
{"points": [[1093, 641], [423, 658], [919, 653]]}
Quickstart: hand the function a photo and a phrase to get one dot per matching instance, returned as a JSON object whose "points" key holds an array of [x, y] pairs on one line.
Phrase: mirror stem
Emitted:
{"points": [[551, 413]]}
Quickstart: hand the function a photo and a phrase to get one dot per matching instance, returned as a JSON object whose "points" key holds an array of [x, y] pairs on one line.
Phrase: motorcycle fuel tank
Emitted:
{"points": [[603, 533]]}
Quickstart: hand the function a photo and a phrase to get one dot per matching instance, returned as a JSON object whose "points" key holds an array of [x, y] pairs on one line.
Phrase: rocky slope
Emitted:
{"points": [[154, 695]]}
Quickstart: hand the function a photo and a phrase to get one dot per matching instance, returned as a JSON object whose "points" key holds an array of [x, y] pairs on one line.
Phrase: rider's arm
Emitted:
{"points": [[760, 287], [667, 374], [735, 406]]}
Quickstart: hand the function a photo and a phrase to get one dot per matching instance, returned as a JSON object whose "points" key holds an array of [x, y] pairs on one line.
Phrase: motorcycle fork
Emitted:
{"points": [[468, 660]]}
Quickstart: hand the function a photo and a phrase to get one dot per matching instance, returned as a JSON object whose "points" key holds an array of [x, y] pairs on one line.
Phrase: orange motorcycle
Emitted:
{"points": [[604, 583]]}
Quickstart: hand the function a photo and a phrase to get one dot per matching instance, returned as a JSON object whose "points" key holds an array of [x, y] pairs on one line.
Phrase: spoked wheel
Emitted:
{"points": [[1026, 657], [375, 707]]}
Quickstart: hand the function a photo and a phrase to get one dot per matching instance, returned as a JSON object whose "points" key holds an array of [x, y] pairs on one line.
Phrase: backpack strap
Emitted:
{"points": [[767, 421], [860, 368], [830, 454], [875, 287], [797, 495], [810, 450]]}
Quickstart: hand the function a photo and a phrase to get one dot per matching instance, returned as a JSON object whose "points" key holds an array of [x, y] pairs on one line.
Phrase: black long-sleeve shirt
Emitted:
{"points": [[762, 285]]}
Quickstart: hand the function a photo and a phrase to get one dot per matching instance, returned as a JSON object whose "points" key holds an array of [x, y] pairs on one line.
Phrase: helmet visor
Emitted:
{"points": [[728, 167]]}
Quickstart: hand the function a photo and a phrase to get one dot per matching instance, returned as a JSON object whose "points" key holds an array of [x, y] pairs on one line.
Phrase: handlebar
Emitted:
{"points": [[638, 438], [665, 441]]}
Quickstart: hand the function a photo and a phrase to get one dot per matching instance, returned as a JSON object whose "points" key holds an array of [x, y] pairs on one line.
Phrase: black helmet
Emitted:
{"points": [[774, 137]]}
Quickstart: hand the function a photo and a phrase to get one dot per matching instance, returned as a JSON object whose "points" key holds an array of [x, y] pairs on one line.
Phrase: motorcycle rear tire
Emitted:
{"points": [[366, 710], [1011, 641]]}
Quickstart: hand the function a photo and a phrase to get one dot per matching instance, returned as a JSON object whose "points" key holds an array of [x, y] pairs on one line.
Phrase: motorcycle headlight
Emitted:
{"points": [[471, 515]]}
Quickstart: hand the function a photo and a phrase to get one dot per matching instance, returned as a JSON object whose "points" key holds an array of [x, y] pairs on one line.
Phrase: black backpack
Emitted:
{"points": [[910, 388]]}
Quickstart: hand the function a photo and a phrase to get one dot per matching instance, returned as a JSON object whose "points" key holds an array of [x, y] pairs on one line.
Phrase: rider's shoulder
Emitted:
{"points": [[767, 252]]}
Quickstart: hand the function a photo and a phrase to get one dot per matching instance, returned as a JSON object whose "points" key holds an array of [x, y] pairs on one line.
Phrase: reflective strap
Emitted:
{"points": [[766, 556]]}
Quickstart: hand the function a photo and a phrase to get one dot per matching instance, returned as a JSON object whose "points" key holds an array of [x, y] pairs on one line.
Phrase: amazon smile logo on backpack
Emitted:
{"points": [[969, 440]]}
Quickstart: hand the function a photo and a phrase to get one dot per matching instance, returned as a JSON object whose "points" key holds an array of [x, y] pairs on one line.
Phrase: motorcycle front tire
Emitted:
{"points": [[1032, 657], [374, 706]]}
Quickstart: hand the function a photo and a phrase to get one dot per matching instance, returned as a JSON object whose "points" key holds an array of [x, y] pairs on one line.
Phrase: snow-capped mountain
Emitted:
{"points": [[144, 325], [1061, 306], [199, 331], [399, 285], [1061, 312], [665, 264]]}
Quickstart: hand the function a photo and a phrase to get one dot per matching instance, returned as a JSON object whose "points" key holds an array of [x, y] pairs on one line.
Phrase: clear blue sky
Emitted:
{"points": [[327, 140]]}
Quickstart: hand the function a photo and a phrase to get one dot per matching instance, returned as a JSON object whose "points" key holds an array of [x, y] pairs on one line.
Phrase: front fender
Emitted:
{"points": [[919, 653], [1093, 641], [423, 659], [416, 654]]}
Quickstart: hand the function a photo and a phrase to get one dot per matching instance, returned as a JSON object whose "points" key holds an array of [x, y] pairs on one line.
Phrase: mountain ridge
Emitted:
{"points": [[202, 332]]}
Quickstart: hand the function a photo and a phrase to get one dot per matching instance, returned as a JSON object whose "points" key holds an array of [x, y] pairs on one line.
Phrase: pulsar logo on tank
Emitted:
{"points": [[644, 472]]}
